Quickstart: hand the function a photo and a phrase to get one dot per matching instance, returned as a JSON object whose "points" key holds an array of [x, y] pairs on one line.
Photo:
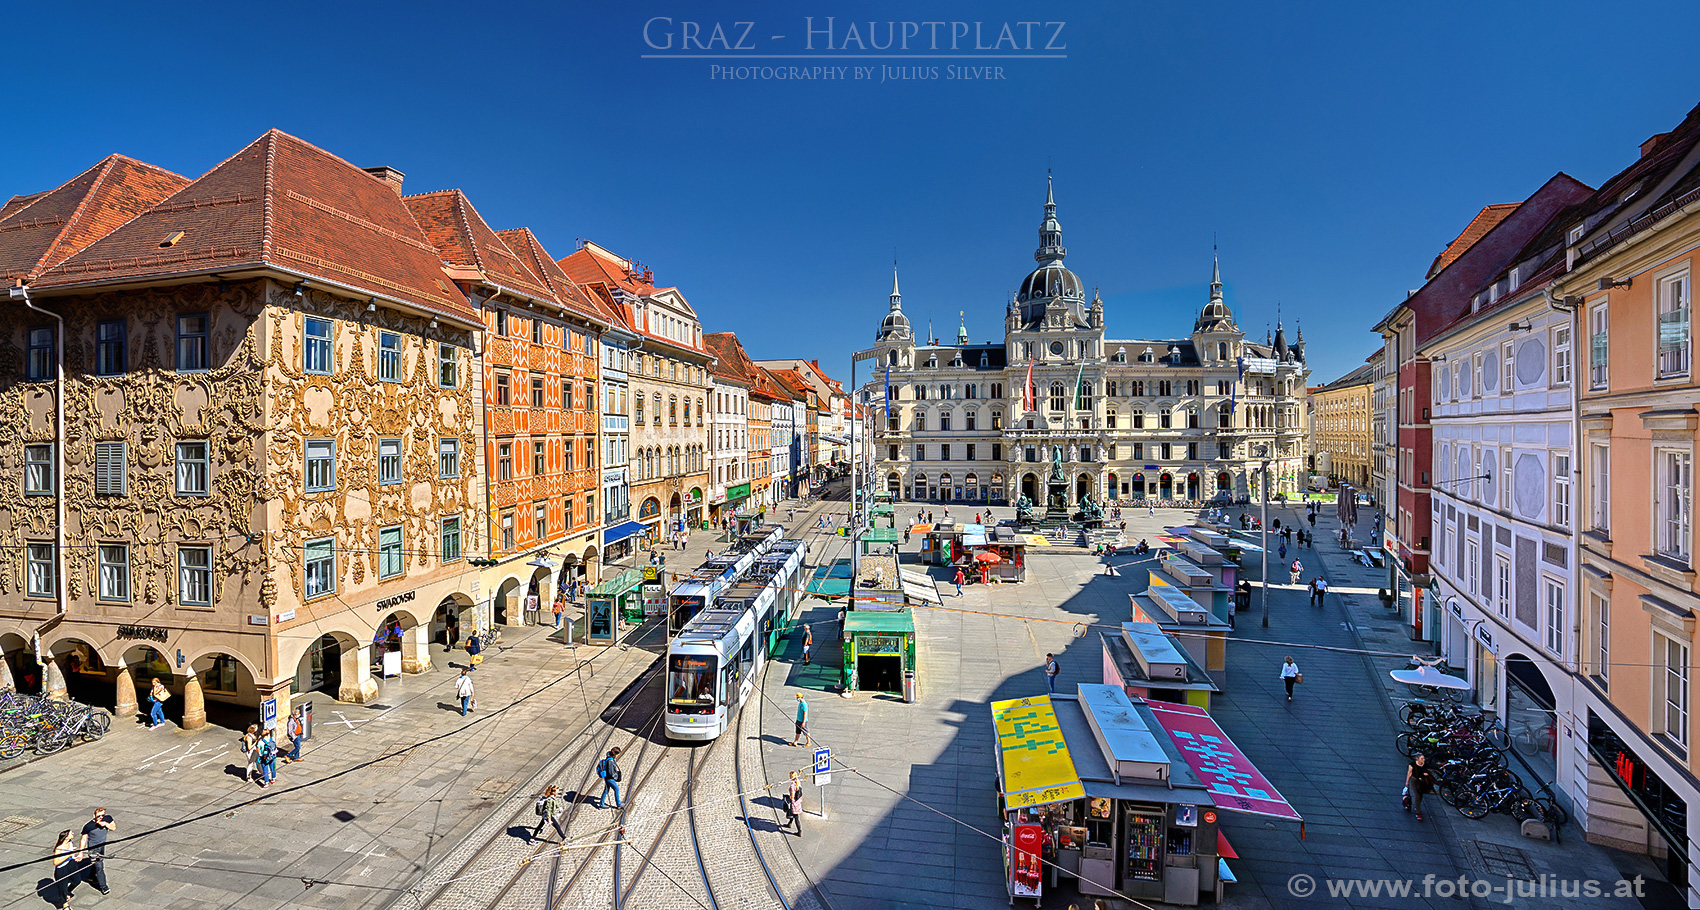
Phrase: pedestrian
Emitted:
{"points": [[959, 579], [1052, 668], [65, 858], [559, 608], [296, 729], [793, 799], [463, 691], [251, 749], [95, 832], [157, 697], [1109, 567], [802, 722], [1150, 508], [1291, 676], [1419, 780], [550, 811], [977, 518], [474, 651], [1283, 551], [1321, 591], [609, 770], [1295, 570], [808, 642], [1312, 588], [1313, 519], [268, 759]]}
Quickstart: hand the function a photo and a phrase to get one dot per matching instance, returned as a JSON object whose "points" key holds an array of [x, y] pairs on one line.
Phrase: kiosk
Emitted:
{"points": [[606, 606], [879, 646], [1146, 662], [1204, 636]]}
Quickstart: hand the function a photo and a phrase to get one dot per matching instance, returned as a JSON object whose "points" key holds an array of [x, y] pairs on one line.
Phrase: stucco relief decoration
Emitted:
{"points": [[355, 409], [1531, 362], [159, 407], [1490, 372], [1529, 487], [1490, 474]]}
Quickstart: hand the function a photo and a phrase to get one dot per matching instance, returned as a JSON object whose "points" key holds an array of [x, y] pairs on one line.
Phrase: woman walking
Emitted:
{"points": [[1290, 675], [794, 803], [1419, 780], [157, 697], [65, 859], [251, 748]]}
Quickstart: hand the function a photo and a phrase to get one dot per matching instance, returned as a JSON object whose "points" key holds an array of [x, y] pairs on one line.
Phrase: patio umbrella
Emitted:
{"points": [[1428, 676], [987, 557]]}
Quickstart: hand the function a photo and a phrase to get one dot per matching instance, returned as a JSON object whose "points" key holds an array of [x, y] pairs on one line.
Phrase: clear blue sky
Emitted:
{"points": [[1333, 148]]}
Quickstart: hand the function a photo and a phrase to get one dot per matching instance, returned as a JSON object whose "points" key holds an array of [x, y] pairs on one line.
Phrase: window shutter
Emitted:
{"points": [[110, 470]]}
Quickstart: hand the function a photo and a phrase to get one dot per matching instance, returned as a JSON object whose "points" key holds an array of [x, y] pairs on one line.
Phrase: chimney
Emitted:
{"points": [[388, 175], [1652, 143]]}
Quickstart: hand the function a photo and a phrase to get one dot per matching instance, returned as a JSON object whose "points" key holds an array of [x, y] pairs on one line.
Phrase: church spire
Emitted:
{"points": [[896, 296], [1215, 277], [1050, 232]]}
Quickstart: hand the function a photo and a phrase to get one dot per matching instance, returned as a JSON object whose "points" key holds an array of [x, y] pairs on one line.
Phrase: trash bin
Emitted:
{"points": [[306, 720], [909, 686]]}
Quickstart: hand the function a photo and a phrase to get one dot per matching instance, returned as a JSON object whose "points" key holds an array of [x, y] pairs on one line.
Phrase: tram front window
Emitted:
{"points": [[691, 681]]}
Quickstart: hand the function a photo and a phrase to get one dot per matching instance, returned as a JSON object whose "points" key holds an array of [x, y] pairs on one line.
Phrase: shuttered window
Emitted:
{"points": [[111, 472]]}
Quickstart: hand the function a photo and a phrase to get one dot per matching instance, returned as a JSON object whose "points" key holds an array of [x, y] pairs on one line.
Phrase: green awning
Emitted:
{"points": [[876, 621], [882, 509], [882, 535], [614, 587]]}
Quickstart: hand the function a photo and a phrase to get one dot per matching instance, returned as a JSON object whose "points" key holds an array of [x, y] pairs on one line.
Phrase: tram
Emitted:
{"points": [[701, 587], [715, 662]]}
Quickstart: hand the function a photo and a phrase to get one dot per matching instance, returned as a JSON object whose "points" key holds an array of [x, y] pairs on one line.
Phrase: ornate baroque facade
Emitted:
{"points": [[1179, 419]]}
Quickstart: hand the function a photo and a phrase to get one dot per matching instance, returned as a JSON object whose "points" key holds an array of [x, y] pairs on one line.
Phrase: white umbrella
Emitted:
{"points": [[1428, 676]]}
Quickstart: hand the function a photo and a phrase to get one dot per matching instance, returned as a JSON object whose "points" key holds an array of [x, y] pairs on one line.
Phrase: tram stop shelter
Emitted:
{"points": [[1146, 662], [1122, 795], [1200, 632], [881, 538], [608, 605], [879, 650]]}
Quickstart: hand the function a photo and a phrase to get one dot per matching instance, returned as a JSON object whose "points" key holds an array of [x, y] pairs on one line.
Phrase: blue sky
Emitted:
{"points": [[1333, 148]]}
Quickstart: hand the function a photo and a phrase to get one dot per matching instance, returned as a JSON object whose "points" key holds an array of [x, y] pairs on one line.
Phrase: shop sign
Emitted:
{"points": [[879, 644], [258, 620], [286, 616], [1027, 869], [694, 496], [397, 600], [649, 573], [1486, 638], [148, 633], [741, 491], [1456, 610]]}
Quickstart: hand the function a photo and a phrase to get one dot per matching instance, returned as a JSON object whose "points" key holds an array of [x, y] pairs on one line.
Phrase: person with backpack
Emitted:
{"points": [[609, 770], [157, 697], [808, 642], [296, 730], [1052, 668], [464, 691], [793, 801], [268, 759], [551, 809]]}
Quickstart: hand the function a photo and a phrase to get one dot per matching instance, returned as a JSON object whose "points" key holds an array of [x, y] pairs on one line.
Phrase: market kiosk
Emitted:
{"points": [[606, 606], [1204, 636], [879, 649], [1146, 662], [1121, 794]]}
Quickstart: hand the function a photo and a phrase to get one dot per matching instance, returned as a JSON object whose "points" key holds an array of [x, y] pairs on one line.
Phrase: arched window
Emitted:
{"points": [[699, 412], [1059, 397], [891, 357], [970, 390], [657, 420], [1110, 419], [1165, 418], [920, 392], [687, 412], [970, 420], [1138, 388], [997, 420], [1110, 388], [921, 421], [997, 390], [1137, 420], [672, 410], [1192, 418], [1225, 416], [1221, 350]]}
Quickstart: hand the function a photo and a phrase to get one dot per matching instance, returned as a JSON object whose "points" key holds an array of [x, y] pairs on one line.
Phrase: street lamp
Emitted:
{"points": [[1263, 496]]}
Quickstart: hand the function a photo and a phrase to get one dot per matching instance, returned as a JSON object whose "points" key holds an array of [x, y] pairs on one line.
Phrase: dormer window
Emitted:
{"points": [[985, 360], [1221, 350], [1516, 279], [932, 361]]}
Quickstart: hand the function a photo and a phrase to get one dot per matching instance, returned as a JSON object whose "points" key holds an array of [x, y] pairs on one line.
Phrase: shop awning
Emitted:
{"points": [[921, 528], [622, 531], [886, 622], [882, 509], [882, 535], [1036, 540], [973, 535], [1033, 758], [1234, 782], [920, 586]]}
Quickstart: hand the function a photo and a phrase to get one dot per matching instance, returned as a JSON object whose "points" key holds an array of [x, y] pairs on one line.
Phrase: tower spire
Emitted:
{"points": [[1050, 232], [896, 296]]}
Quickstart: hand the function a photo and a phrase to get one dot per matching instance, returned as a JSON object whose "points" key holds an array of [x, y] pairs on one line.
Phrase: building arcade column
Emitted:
{"points": [[124, 693], [194, 703], [416, 649], [53, 680], [358, 686]]}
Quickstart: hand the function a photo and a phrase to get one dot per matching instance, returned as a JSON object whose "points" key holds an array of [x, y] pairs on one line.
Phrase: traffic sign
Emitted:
{"points": [[823, 761], [268, 714]]}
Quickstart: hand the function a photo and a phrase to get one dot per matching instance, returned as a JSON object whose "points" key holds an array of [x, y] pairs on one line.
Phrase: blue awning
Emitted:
{"points": [[622, 531]]}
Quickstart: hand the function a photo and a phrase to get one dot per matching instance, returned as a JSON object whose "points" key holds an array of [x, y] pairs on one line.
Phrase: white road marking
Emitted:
{"points": [[149, 760], [213, 759]]}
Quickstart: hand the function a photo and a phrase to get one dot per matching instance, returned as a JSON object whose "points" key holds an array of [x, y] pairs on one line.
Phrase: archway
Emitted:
{"points": [[944, 488], [1194, 487], [1137, 486], [224, 687], [893, 484], [1082, 488], [401, 634], [447, 627], [87, 677], [920, 487], [1114, 486], [506, 604], [675, 513], [142, 664], [539, 592], [21, 665], [1224, 486], [1165, 486], [1030, 487], [971, 486], [592, 566], [320, 668]]}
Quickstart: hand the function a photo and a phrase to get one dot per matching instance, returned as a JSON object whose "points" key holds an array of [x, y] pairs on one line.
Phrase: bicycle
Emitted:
{"points": [[1501, 796], [87, 725]]}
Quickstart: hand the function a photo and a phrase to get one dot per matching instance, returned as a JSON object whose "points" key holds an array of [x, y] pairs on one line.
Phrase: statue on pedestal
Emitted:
{"points": [[1056, 463], [1024, 510]]}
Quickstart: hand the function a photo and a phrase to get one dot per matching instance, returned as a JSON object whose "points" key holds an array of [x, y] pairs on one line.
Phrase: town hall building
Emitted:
{"points": [[1188, 419]]}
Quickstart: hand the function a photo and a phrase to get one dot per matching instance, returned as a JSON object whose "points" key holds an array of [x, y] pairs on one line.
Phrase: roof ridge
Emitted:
{"points": [[105, 168], [461, 204], [266, 219]]}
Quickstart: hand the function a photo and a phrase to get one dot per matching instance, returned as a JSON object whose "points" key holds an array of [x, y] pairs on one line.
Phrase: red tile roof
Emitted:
{"points": [[42, 230], [611, 278], [285, 204], [463, 239], [1486, 220], [526, 245], [730, 361]]}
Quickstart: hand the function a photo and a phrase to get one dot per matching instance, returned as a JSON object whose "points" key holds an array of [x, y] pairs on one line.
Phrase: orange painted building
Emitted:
{"points": [[538, 372]]}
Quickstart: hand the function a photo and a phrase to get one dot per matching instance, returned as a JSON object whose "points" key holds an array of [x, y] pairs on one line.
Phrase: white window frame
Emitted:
{"points": [[1563, 488], [449, 535], [1506, 476], [1472, 565], [448, 365], [1561, 360], [391, 561], [389, 462], [194, 576], [1508, 368], [323, 451], [114, 572], [319, 558], [1599, 486], [448, 457], [41, 568], [1552, 615], [1502, 585], [1675, 296], [318, 339], [186, 468], [1600, 607], [1599, 346], [1673, 717], [39, 467], [1673, 503], [389, 357]]}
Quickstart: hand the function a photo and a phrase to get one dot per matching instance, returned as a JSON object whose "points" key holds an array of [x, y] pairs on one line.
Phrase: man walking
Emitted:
{"points": [[808, 642], [609, 770], [1052, 668], [1321, 591], [550, 809], [95, 832], [802, 722], [959, 579], [463, 690], [296, 731]]}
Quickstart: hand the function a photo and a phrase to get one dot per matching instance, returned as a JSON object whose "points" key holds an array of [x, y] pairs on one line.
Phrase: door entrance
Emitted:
{"points": [[880, 672]]}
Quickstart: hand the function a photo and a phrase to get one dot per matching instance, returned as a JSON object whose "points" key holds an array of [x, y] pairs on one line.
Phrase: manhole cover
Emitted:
{"points": [[494, 787], [1500, 861], [12, 824]]}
